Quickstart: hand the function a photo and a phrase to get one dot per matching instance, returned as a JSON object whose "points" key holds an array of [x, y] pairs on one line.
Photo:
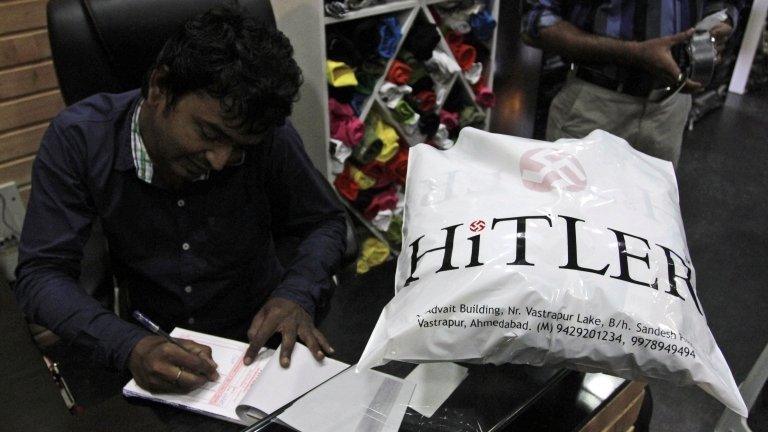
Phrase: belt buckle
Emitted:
{"points": [[662, 94]]}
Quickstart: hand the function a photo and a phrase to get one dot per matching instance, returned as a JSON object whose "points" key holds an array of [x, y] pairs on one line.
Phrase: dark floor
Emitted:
{"points": [[723, 188]]}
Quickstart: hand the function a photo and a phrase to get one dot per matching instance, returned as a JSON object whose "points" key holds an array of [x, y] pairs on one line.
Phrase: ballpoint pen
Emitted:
{"points": [[154, 328]]}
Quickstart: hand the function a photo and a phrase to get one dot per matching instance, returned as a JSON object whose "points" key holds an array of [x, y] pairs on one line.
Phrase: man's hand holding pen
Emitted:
{"points": [[159, 365]]}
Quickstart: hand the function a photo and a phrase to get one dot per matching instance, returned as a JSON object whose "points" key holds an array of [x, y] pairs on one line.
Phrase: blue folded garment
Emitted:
{"points": [[390, 32], [482, 25]]}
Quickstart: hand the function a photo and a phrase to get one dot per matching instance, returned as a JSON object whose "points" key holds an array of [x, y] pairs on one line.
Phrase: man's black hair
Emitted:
{"points": [[247, 66]]}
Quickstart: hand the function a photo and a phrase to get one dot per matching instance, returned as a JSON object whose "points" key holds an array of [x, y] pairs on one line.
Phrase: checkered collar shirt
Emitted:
{"points": [[141, 159]]}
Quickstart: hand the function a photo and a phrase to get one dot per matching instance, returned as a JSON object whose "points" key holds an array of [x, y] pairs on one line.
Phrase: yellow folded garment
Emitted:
{"points": [[374, 252], [388, 151], [339, 74], [362, 179]]}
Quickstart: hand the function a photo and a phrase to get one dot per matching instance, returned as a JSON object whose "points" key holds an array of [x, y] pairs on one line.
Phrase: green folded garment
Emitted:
{"points": [[365, 152], [403, 112], [394, 234], [366, 83], [471, 116]]}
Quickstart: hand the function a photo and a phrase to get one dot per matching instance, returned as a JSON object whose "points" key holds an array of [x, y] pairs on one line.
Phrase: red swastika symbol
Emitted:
{"points": [[544, 169], [477, 225]]}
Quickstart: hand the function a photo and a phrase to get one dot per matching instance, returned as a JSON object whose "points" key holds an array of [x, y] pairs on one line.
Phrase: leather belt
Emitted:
{"points": [[633, 86]]}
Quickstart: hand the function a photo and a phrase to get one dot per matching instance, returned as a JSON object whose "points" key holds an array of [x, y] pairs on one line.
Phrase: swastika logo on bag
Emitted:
{"points": [[544, 169], [477, 225]]}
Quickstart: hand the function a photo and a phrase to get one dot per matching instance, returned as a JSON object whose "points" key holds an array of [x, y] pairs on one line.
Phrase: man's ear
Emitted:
{"points": [[157, 93]]}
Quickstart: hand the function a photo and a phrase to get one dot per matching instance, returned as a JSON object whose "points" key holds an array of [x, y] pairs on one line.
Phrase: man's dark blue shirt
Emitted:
{"points": [[202, 257]]}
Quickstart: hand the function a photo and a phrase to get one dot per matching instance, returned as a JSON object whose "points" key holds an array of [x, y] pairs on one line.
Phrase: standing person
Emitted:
{"points": [[192, 177], [622, 50]]}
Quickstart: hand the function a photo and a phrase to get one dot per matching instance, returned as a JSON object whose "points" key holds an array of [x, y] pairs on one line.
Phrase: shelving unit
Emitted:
{"points": [[305, 23]]}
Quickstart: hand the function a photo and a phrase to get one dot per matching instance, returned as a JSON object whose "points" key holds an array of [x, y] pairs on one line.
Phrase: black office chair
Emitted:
{"points": [[108, 46]]}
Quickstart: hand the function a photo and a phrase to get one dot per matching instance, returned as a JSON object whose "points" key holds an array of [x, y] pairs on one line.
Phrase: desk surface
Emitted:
{"points": [[492, 398]]}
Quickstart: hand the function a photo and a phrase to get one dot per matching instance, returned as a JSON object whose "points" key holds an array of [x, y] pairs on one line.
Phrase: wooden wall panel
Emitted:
{"points": [[24, 194], [29, 95], [17, 113], [24, 48], [27, 79], [23, 15], [21, 142], [19, 170]]}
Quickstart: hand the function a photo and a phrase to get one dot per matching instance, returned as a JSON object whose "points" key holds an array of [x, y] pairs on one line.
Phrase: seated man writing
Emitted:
{"points": [[192, 177]]}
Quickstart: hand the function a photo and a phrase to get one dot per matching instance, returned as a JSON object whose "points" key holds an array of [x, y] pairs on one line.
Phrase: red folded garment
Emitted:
{"points": [[346, 185], [426, 100], [386, 200], [399, 73], [454, 38], [465, 55], [380, 172], [398, 165], [449, 119]]}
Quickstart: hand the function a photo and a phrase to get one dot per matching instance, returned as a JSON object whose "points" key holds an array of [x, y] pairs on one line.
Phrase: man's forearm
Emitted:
{"points": [[52, 298], [653, 55], [581, 47]]}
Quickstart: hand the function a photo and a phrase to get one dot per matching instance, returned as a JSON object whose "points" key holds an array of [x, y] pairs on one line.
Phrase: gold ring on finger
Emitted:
{"points": [[178, 375]]}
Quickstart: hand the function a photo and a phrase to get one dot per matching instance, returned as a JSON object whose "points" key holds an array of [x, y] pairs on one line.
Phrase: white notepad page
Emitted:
{"points": [[244, 394], [217, 399], [278, 386]]}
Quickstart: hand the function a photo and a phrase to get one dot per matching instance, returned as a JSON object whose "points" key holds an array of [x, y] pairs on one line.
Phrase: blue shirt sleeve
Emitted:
{"points": [[304, 206], [56, 227], [543, 13]]}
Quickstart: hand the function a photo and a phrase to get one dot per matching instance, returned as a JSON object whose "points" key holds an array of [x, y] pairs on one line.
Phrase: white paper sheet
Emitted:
{"points": [[365, 401], [435, 382]]}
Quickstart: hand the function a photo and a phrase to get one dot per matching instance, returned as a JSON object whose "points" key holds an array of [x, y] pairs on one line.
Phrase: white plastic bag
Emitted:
{"points": [[567, 254]]}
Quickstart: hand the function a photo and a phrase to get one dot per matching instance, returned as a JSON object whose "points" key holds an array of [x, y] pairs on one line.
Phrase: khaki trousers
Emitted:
{"points": [[655, 129]]}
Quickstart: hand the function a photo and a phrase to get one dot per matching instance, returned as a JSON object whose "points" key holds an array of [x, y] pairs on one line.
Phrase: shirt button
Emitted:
{"points": [[191, 321], [180, 203], [185, 246], [187, 289]]}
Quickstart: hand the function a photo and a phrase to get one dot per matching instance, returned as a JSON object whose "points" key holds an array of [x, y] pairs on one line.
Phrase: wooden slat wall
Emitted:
{"points": [[29, 95]]}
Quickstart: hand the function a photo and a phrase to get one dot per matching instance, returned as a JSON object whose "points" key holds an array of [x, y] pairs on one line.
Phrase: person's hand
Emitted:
{"points": [[155, 364], [290, 320], [655, 56], [721, 32]]}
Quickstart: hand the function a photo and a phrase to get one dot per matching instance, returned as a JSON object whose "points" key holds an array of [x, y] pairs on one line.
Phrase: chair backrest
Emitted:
{"points": [[108, 45]]}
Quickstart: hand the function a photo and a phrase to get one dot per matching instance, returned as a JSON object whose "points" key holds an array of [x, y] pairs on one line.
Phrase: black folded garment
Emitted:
{"points": [[365, 152], [422, 39], [366, 35], [428, 124], [483, 54], [423, 83], [341, 94], [340, 48]]}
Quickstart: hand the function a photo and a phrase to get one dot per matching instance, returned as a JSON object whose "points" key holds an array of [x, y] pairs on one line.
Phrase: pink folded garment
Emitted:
{"points": [[345, 126], [484, 96], [449, 119]]}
